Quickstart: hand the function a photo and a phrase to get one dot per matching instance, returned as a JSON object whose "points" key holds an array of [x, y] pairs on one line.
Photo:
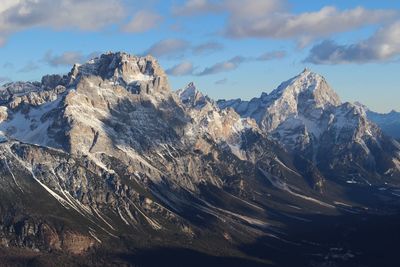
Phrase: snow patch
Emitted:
{"points": [[283, 186]]}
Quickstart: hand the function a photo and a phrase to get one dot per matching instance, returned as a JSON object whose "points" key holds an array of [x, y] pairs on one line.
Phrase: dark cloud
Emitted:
{"points": [[209, 47], [384, 45], [222, 81], [181, 69], [224, 66], [272, 55], [168, 47], [235, 62], [173, 48], [67, 58]]}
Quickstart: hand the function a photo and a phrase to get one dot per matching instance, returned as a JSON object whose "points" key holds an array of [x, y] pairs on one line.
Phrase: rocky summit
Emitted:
{"points": [[108, 166]]}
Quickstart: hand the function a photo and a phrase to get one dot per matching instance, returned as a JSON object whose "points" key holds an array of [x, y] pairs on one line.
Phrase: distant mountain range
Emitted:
{"points": [[107, 165], [388, 122]]}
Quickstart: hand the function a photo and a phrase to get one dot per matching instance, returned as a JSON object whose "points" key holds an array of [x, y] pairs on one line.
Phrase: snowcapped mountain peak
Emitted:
{"points": [[191, 97], [308, 86], [307, 94], [190, 91]]}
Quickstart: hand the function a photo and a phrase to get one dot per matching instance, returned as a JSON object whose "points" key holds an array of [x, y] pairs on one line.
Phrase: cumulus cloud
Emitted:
{"points": [[272, 19], [181, 69], [17, 15], [67, 58], [224, 66], [304, 27], [143, 21], [384, 45], [205, 48], [168, 47]]}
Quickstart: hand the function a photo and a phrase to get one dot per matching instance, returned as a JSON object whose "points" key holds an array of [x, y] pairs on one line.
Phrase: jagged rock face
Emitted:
{"points": [[306, 94], [3, 113], [108, 156], [9, 90], [141, 75], [62, 202], [192, 98], [208, 120], [120, 142], [307, 117]]}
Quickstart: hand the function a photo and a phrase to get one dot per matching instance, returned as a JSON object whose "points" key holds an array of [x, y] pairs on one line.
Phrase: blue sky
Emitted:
{"points": [[229, 48]]}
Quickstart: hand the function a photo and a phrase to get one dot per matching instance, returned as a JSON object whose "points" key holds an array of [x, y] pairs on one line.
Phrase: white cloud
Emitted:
{"points": [[168, 47], [273, 19], [384, 45], [143, 21], [304, 27], [184, 68], [6, 4], [17, 15]]}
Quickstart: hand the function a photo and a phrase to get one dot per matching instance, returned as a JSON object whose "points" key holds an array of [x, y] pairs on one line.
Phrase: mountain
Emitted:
{"points": [[388, 122], [107, 166], [306, 116]]}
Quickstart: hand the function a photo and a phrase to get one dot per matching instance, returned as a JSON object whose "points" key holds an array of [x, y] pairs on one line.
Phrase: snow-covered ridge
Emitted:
{"points": [[307, 91], [193, 98], [306, 116], [208, 119], [121, 98], [388, 122], [308, 82]]}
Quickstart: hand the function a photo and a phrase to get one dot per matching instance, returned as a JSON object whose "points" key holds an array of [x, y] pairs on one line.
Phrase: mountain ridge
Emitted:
{"points": [[305, 124], [389, 122], [109, 158]]}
